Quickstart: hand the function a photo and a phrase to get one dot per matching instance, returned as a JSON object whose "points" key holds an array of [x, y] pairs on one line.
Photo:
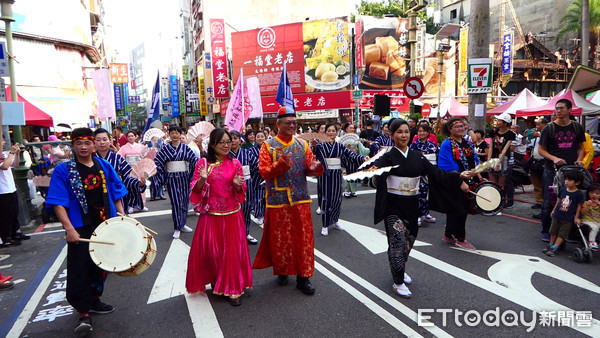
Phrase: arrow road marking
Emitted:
{"points": [[171, 283], [510, 278]]}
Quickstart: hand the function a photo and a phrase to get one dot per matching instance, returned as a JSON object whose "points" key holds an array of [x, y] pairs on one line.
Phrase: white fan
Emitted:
{"points": [[152, 132], [348, 139], [374, 158], [368, 173]]}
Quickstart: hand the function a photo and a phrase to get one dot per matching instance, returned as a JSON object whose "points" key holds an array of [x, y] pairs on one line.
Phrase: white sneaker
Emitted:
{"points": [[402, 290], [260, 221], [176, 234], [325, 231], [251, 239], [419, 223], [338, 226], [407, 279], [430, 219], [186, 229], [319, 212], [145, 209], [130, 211]]}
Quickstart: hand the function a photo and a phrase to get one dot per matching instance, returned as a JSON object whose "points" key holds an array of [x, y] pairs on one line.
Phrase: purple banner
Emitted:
{"points": [[106, 106]]}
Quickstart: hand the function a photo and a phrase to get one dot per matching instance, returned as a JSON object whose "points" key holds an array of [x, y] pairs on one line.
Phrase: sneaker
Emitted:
{"points": [[402, 290], [318, 212], [509, 205], [537, 216], [101, 308], [324, 231], [465, 245], [19, 236], [251, 239], [130, 211], [10, 243], [498, 213], [338, 226], [545, 237], [450, 240], [430, 219], [176, 234], [407, 279], [144, 209], [419, 223], [551, 252], [536, 206], [186, 229], [7, 285], [260, 221], [353, 194], [593, 246], [84, 325], [347, 195], [545, 250]]}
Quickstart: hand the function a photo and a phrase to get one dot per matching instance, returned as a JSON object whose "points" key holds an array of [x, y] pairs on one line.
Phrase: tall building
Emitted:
{"points": [[57, 48]]}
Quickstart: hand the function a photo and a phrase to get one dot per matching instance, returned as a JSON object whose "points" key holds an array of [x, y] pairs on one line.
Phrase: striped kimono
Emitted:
{"points": [[257, 190], [178, 183], [246, 158], [381, 141], [332, 181], [133, 198]]}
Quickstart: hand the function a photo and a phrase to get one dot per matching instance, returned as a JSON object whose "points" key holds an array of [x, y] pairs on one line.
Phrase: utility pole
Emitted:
{"points": [[479, 47], [585, 32]]}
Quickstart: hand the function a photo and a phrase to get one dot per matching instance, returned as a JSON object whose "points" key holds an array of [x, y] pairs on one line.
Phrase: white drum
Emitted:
{"points": [[133, 247]]}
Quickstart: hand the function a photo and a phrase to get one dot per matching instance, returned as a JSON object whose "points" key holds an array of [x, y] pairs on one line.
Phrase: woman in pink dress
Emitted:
{"points": [[219, 253], [133, 152]]}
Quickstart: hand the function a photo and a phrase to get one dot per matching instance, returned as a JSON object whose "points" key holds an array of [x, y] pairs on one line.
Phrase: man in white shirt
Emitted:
{"points": [[9, 203]]}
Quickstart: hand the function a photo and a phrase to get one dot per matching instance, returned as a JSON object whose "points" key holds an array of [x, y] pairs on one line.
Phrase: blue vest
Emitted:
{"points": [[290, 188]]}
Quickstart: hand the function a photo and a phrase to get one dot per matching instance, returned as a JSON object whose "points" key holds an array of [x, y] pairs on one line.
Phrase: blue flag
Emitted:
{"points": [[154, 113], [284, 93]]}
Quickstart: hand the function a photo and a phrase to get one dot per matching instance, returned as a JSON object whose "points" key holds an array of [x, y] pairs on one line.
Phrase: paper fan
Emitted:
{"points": [[201, 128], [348, 139], [145, 167], [486, 165], [367, 173], [152, 132], [374, 158], [309, 137]]}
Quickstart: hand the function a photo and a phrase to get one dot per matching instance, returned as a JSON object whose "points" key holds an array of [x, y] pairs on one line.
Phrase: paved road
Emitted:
{"points": [[507, 276]]}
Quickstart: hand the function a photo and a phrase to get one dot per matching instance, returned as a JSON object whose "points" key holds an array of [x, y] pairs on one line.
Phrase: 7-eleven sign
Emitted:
{"points": [[480, 76]]}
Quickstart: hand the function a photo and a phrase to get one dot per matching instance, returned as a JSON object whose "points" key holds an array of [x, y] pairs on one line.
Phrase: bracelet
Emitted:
{"points": [[10, 152]]}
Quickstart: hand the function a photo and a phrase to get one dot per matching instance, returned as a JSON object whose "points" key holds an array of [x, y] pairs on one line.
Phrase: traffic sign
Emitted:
{"points": [[357, 94], [413, 88], [355, 80]]}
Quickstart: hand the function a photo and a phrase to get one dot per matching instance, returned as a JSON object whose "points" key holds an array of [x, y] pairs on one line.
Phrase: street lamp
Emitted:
{"points": [[445, 32]]}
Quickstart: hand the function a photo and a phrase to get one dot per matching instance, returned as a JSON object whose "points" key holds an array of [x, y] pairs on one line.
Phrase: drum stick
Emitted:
{"points": [[150, 230], [94, 241], [483, 198]]}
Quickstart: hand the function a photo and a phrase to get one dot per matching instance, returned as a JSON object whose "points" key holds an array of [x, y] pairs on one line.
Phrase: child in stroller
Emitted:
{"points": [[591, 216]]}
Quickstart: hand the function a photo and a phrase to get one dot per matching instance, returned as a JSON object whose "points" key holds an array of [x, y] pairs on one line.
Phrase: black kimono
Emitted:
{"points": [[400, 213]]}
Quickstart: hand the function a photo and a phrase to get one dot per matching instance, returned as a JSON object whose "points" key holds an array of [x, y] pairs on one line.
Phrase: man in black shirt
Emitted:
{"points": [[560, 144], [412, 125], [369, 133]]}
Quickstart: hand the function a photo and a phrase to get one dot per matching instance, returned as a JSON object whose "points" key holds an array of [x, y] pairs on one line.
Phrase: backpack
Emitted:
{"points": [[576, 126]]}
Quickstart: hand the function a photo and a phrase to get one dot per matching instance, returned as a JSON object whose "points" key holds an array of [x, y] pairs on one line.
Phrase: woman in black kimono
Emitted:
{"points": [[396, 202]]}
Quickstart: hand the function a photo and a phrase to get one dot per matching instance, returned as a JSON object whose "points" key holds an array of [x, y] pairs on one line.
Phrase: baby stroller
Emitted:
{"points": [[583, 253]]}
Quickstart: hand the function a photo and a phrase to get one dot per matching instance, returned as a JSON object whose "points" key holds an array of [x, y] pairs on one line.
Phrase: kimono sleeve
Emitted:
{"points": [[58, 192], [113, 181]]}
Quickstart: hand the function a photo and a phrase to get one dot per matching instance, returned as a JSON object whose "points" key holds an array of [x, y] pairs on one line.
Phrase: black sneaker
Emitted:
{"points": [[10, 243], [509, 205], [20, 236], [282, 280], [303, 284], [101, 308], [84, 326]]}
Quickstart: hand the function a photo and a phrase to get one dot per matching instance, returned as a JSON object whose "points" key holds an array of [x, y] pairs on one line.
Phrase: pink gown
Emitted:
{"points": [[219, 252]]}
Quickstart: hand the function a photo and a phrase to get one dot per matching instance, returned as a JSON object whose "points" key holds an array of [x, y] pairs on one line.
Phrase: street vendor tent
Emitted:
{"points": [[580, 105], [524, 100], [452, 107], [34, 116]]}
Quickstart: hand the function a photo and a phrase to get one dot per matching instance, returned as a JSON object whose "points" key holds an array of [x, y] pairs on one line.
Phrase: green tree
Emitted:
{"points": [[572, 23], [138, 115], [393, 7]]}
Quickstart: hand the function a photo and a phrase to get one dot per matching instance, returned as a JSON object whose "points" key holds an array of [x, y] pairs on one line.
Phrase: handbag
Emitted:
{"points": [[534, 165]]}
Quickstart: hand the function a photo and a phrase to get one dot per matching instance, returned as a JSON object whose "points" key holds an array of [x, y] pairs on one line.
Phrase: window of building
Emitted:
{"points": [[453, 14]]}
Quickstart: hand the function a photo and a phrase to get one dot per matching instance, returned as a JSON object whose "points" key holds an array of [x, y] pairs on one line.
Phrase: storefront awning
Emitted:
{"points": [[34, 116]]}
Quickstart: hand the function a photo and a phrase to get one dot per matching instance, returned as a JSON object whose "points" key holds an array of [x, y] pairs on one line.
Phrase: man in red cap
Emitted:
{"points": [[288, 237]]}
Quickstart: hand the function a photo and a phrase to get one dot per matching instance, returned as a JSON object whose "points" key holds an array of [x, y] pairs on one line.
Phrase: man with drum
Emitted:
{"points": [[84, 192], [561, 142]]}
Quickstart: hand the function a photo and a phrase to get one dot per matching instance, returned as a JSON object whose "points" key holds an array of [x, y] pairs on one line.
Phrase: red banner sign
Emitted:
{"points": [[223, 106], [398, 100], [359, 46], [219, 58], [312, 101], [261, 52]]}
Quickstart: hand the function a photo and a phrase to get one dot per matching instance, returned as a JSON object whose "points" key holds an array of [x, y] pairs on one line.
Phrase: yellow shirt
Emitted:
{"points": [[588, 151]]}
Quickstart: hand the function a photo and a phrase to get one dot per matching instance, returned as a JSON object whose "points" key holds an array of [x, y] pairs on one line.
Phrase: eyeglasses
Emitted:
{"points": [[224, 143], [290, 123]]}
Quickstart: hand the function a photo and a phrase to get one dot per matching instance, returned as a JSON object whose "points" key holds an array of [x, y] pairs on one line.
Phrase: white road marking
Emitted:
{"points": [[361, 192], [53, 225], [18, 281], [5, 266], [46, 232], [374, 240], [405, 310], [25, 315], [171, 283], [378, 310]]}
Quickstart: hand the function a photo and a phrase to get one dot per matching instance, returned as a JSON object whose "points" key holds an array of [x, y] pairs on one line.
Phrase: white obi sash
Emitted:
{"points": [[176, 166], [246, 170], [403, 186], [333, 163]]}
